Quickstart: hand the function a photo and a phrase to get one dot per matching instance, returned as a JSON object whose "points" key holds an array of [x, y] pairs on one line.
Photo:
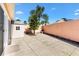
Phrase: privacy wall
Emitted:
{"points": [[69, 30]]}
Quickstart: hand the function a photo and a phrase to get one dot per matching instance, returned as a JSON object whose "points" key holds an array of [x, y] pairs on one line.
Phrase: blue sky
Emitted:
{"points": [[55, 11]]}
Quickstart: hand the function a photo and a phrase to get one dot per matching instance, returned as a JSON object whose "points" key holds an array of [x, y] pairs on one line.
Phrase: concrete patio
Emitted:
{"points": [[40, 45]]}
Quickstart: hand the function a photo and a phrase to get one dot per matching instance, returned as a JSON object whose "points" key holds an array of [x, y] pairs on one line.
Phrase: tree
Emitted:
{"points": [[25, 22], [32, 12], [65, 19], [42, 22], [18, 20], [35, 17], [38, 11], [45, 17], [33, 23]]}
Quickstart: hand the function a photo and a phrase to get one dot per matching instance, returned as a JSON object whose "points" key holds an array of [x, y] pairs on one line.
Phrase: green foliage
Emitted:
{"points": [[25, 22], [65, 19], [42, 22], [32, 12], [33, 22], [18, 20], [35, 16], [45, 17]]}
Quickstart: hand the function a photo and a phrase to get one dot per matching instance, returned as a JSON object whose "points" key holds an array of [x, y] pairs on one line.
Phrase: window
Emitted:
{"points": [[17, 28]]}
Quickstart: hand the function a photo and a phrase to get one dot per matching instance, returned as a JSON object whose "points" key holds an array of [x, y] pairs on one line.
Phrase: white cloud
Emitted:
{"points": [[16, 17], [76, 14], [19, 12], [77, 10], [53, 8]]}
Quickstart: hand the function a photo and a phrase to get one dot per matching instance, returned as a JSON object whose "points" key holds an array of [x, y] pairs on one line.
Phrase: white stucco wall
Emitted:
{"points": [[18, 33], [6, 28]]}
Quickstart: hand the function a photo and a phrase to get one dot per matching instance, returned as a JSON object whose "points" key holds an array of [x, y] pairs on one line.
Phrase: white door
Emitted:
{"points": [[1, 29]]}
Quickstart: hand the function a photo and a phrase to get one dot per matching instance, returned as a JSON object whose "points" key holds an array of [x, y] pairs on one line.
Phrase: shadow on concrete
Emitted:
{"points": [[65, 39], [30, 34]]}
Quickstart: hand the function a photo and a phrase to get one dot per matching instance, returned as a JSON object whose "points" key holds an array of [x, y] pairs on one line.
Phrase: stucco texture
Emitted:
{"points": [[10, 9], [69, 30]]}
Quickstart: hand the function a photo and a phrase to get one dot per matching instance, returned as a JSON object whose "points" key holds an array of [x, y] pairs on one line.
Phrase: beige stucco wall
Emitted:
{"points": [[69, 29], [60, 21], [10, 8]]}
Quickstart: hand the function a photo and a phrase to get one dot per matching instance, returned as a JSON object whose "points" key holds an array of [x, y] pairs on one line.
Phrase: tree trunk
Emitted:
{"points": [[45, 24], [34, 32]]}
